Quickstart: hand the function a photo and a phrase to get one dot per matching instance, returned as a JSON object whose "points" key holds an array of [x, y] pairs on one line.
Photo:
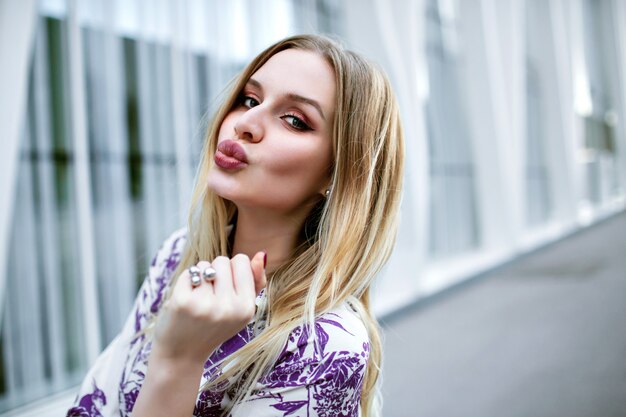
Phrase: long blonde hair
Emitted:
{"points": [[350, 234]]}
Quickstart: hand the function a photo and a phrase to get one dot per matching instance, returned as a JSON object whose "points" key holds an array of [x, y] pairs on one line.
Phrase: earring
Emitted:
{"points": [[327, 193]]}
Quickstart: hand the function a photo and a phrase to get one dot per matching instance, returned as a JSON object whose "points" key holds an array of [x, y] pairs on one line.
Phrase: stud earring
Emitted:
{"points": [[327, 193]]}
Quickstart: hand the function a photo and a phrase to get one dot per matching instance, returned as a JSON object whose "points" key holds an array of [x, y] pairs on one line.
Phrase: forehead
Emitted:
{"points": [[301, 72]]}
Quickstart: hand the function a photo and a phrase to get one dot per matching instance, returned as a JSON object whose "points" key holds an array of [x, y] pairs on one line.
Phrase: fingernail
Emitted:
{"points": [[264, 259]]}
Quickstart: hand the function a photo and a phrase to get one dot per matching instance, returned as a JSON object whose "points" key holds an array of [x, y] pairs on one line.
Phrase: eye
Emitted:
{"points": [[296, 122], [249, 102]]}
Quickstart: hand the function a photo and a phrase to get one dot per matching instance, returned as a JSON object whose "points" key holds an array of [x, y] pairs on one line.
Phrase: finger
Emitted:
{"points": [[242, 276], [205, 287], [182, 288], [258, 263], [223, 282]]}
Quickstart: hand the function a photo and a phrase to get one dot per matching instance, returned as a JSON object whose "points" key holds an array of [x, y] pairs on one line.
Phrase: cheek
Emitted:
{"points": [[300, 167], [228, 126]]}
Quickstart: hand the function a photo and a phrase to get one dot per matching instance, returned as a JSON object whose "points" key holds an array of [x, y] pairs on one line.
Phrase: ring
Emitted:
{"points": [[195, 280], [209, 274], [194, 276]]}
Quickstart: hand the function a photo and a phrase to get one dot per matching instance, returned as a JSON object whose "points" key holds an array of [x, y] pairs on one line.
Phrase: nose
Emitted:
{"points": [[249, 125]]}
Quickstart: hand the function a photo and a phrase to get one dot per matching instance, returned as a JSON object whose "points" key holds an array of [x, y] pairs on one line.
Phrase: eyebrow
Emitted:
{"points": [[294, 97]]}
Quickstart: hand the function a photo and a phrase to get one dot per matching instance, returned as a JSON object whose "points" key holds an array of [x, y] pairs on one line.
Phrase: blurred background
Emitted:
{"points": [[506, 294]]}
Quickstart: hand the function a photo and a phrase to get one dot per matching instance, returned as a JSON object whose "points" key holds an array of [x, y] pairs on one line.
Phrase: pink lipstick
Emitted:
{"points": [[230, 155]]}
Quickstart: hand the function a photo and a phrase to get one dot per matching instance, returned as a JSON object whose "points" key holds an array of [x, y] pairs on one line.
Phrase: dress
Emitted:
{"points": [[322, 379]]}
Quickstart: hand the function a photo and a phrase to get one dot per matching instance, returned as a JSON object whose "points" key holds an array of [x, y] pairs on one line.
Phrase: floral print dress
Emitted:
{"points": [[309, 379]]}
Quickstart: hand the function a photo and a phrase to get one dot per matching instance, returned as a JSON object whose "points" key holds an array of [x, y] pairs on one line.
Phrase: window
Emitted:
{"points": [[453, 218]]}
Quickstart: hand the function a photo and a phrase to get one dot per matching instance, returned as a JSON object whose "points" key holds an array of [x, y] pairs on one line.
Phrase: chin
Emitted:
{"points": [[232, 194], [221, 191], [220, 186]]}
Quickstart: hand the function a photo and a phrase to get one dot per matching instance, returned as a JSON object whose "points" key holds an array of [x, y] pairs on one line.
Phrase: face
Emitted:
{"points": [[274, 147]]}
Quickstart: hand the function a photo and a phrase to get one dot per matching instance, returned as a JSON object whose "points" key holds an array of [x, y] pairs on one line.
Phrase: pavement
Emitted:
{"points": [[543, 336]]}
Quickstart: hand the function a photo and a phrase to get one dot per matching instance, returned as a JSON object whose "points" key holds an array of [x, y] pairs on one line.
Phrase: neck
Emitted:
{"points": [[275, 234]]}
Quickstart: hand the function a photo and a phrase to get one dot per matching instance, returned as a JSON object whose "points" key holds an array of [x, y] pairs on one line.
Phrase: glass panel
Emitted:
{"points": [[537, 195], [538, 201], [453, 218], [200, 96], [110, 180], [134, 157], [599, 150], [156, 141], [330, 16]]}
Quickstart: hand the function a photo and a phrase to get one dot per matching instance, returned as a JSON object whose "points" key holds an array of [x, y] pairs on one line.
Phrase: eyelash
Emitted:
{"points": [[244, 99], [296, 123]]}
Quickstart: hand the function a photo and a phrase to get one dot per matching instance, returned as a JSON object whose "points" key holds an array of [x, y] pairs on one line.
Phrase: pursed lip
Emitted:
{"points": [[230, 155]]}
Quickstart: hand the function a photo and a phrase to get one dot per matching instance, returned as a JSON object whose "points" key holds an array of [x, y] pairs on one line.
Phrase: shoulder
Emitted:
{"points": [[344, 352], [340, 331], [339, 340], [167, 257], [321, 368], [172, 247], [160, 272], [345, 329]]}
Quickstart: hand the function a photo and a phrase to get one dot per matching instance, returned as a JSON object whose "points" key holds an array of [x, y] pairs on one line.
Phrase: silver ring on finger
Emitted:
{"points": [[195, 280], [194, 276], [209, 274]]}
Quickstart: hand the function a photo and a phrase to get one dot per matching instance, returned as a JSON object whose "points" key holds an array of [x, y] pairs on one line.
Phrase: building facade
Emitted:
{"points": [[514, 113]]}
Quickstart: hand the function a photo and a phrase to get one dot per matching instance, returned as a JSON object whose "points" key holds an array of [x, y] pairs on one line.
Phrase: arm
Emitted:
{"points": [[170, 388]]}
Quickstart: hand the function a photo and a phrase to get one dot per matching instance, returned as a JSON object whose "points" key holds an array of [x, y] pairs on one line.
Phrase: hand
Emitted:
{"points": [[195, 321]]}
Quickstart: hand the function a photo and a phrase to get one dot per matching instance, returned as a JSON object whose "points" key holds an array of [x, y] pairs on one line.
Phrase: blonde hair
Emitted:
{"points": [[349, 236]]}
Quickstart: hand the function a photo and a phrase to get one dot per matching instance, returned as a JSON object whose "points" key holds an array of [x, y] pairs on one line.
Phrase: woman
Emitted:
{"points": [[295, 207]]}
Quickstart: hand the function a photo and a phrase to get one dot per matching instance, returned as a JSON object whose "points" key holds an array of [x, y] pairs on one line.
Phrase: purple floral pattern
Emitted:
{"points": [[89, 404], [318, 373]]}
